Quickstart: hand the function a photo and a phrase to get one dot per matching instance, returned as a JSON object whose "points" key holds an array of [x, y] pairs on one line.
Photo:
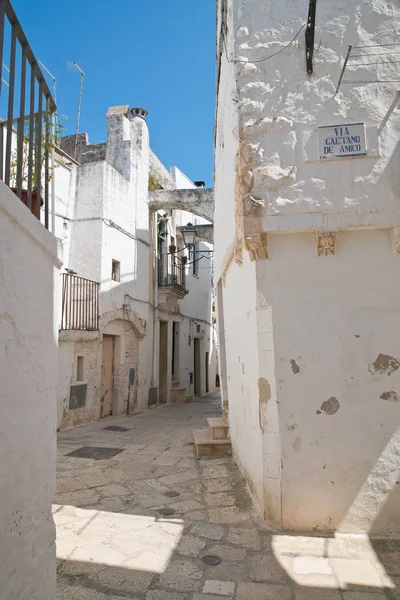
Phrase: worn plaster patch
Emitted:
{"points": [[330, 406], [384, 365], [264, 395], [295, 366], [390, 396], [264, 390], [297, 443], [291, 427]]}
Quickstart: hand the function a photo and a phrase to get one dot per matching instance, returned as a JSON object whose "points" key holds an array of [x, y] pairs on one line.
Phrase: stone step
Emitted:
{"points": [[219, 427], [206, 445]]}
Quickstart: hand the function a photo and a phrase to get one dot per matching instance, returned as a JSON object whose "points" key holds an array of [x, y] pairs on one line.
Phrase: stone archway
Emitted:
{"points": [[126, 329]]}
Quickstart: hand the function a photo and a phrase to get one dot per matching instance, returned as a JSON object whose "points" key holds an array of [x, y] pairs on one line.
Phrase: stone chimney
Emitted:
{"points": [[118, 153]]}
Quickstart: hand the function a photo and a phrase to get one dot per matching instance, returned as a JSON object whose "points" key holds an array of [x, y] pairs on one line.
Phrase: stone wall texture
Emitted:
{"points": [[28, 367], [301, 239]]}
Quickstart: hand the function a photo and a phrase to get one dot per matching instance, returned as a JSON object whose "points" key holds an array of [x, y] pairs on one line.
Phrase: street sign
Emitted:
{"points": [[341, 141]]}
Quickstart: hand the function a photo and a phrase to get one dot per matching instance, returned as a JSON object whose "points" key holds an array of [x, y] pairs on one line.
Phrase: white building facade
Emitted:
{"points": [[125, 331], [306, 223]]}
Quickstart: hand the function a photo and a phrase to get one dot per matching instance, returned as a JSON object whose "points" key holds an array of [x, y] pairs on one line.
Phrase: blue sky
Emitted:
{"points": [[158, 54]]}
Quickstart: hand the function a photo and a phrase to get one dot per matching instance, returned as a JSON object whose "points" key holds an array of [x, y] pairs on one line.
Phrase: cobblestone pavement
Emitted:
{"points": [[114, 542]]}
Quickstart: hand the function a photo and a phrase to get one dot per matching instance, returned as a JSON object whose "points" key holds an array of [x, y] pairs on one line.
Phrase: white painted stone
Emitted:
{"points": [[333, 308], [28, 367], [103, 214]]}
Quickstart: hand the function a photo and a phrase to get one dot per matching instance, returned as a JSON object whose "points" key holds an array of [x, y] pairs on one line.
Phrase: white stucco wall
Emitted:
{"points": [[339, 417], [328, 458], [28, 367]]}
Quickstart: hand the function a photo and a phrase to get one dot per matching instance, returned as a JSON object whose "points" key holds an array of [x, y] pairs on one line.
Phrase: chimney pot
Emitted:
{"points": [[139, 112]]}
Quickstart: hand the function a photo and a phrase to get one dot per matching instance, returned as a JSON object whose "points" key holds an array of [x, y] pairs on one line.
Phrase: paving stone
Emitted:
{"points": [[247, 538], [355, 572], [208, 597], [176, 478], [266, 568], [196, 515], [189, 463], [309, 593], [297, 544], [214, 471], [65, 591], [182, 575], [190, 545], [151, 500], [228, 515], [167, 460], [207, 530], [259, 591], [163, 595], [364, 596], [228, 553], [308, 565], [220, 499], [223, 588], [225, 571], [186, 505], [218, 485], [157, 485], [390, 562], [350, 547], [112, 489], [124, 580], [70, 484]]}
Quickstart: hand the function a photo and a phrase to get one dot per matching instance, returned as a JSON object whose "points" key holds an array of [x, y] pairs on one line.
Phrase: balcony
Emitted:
{"points": [[80, 304], [27, 111], [171, 280]]}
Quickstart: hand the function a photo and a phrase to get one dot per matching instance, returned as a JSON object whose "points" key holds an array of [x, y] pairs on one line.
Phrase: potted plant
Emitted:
{"points": [[49, 137]]}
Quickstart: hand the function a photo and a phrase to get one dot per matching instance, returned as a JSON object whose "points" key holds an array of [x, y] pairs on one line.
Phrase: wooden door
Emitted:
{"points": [[107, 376]]}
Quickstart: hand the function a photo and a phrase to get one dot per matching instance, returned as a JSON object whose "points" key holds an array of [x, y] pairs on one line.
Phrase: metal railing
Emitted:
{"points": [[80, 303], [172, 274], [26, 133]]}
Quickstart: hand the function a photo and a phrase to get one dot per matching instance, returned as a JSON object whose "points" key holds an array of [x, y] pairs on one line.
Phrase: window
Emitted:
{"points": [[80, 367], [116, 270]]}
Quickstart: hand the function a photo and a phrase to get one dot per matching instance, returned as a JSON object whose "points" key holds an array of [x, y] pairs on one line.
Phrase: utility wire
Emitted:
{"points": [[236, 60]]}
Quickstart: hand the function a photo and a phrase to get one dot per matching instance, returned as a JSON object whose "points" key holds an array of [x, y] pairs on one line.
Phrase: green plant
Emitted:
{"points": [[52, 128], [153, 183]]}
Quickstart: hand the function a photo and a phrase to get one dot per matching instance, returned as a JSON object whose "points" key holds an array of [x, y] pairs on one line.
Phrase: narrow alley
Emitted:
{"points": [[138, 516]]}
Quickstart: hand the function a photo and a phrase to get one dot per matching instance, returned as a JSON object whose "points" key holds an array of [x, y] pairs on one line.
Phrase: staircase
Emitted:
{"points": [[178, 394], [213, 441]]}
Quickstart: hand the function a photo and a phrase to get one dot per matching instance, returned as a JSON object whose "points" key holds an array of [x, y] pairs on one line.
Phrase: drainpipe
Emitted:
{"points": [[155, 297]]}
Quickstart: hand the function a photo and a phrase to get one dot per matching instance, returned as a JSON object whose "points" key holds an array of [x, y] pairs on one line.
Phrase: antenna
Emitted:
{"points": [[73, 66], [53, 78]]}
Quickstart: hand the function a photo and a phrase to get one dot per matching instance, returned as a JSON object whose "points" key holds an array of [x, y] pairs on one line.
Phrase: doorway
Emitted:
{"points": [[207, 366], [197, 367], [175, 350], [107, 376], [163, 363]]}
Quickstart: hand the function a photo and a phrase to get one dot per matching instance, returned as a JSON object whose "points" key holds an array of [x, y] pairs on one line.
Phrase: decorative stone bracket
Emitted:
{"points": [[257, 245], [325, 243]]}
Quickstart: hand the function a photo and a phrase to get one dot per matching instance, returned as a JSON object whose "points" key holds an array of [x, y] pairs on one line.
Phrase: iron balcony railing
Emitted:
{"points": [[26, 117], [80, 303], [172, 274]]}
